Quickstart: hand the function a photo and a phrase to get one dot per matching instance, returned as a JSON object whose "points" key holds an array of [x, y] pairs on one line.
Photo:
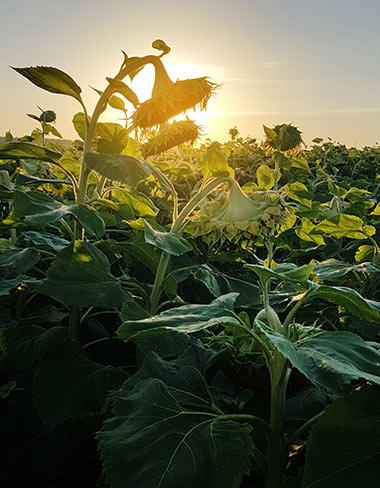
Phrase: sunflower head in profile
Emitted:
{"points": [[236, 217], [171, 135], [172, 98]]}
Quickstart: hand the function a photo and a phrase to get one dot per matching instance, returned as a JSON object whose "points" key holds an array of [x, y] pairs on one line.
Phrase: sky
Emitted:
{"points": [[312, 63]]}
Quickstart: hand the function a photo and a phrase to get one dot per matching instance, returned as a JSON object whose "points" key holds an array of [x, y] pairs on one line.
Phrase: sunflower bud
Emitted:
{"points": [[284, 137], [235, 216], [170, 136]]}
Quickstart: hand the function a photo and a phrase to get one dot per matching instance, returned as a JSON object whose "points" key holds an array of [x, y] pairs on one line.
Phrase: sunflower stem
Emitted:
{"points": [[176, 229]]}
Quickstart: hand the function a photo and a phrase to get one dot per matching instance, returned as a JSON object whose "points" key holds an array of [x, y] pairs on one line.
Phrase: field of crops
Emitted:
{"points": [[177, 315]]}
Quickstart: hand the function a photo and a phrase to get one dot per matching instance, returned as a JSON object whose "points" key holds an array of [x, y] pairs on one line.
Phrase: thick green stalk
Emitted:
{"points": [[176, 229], [278, 450]]}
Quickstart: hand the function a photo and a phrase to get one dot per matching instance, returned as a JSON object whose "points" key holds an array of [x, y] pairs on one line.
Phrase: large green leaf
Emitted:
{"points": [[188, 318], [152, 442], [45, 239], [219, 284], [26, 345], [330, 359], [138, 203], [80, 275], [344, 445], [110, 138], [188, 377], [350, 299], [14, 262], [118, 167], [24, 150], [39, 208], [51, 79], [166, 241], [67, 385]]}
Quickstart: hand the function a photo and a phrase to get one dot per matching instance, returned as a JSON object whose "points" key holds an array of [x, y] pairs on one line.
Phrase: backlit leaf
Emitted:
{"points": [[24, 150], [51, 79], [265, 177]]}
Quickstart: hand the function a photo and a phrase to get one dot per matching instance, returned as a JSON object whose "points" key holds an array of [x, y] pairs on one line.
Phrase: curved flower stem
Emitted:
{"points": [[176, 229], [99, 109]]}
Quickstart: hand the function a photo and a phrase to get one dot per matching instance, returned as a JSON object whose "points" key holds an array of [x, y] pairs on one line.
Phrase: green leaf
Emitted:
{"points": [[116, 103], [219, 284], [121, 167], [344, 445], [152, 442], [187, 377], [14, 262], [89, 219], [67, 385], [26, 345], [307, 232], [333, 269], [329, 359], [39, 208], [139, 204], [170, 243], [80, 275], [119, 86], [265, 177], [350, 299], [298, 191], [80, 125], [45, 239], [287, 272], [344, 226], [110, 138], [214, 163], [52, 80], [188, 319], [364, 253], [24, 150], [6, 285], [376, 211]]}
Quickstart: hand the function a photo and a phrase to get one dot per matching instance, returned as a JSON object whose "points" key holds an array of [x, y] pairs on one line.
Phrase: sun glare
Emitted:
{"points": [[142, 85]]}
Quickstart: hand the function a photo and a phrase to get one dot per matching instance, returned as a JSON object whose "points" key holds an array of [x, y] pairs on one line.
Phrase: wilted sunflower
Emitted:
{"points": [[169, 136], [235, 216], [170, 99]]}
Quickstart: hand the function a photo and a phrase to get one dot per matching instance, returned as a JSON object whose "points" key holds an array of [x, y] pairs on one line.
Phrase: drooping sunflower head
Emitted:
{"points": [[169, 136], [236, 217], [173, 100], [284, 137]]}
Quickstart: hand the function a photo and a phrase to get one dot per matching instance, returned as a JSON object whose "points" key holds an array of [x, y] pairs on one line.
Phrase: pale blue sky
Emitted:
{"points": [[313, 63]]}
